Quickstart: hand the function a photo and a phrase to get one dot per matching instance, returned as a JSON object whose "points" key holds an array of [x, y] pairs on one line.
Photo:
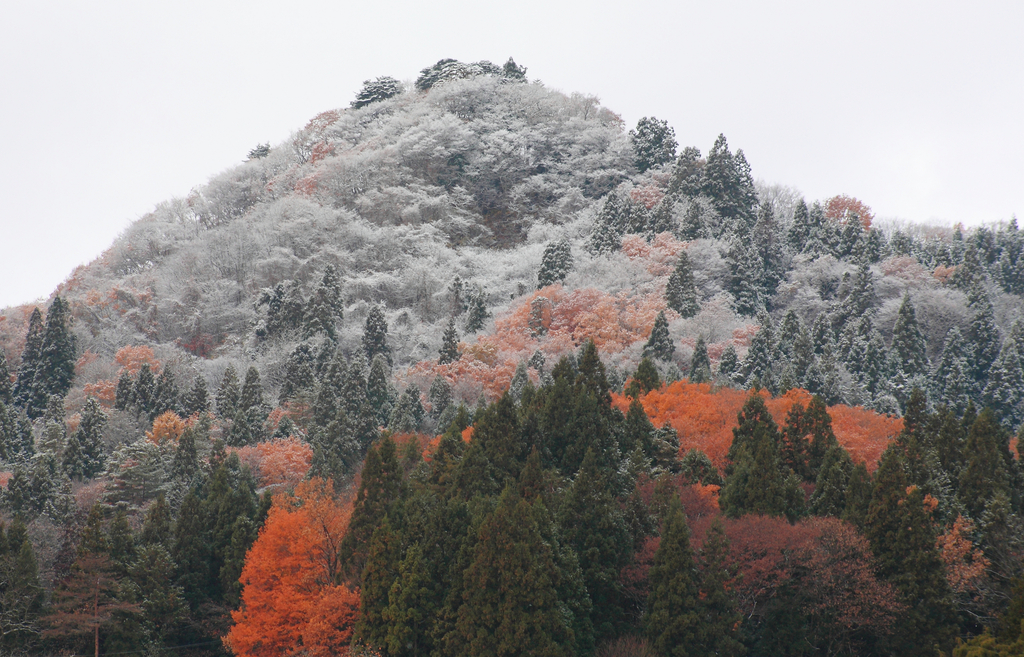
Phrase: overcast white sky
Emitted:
{"points": [[107, 108]]}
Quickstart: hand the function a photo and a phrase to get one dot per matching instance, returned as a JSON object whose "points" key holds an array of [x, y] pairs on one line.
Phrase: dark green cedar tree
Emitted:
{"points": [[660, 345], [681, 291]]}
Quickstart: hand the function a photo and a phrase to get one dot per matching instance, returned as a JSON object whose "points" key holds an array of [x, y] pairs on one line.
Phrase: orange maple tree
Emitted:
{"points": [[705, 417], [842, 207], [278, 462], [965, 564], [167, 427], [290, 602], [569, 318], [133, 358]]}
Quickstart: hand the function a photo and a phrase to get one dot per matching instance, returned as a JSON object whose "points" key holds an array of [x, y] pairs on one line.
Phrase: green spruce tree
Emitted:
{"points": [[449, 352], [375, 336], [681, 291], [660, 345], [31, 357], [556, 263], [700, 363], [673, 620]]}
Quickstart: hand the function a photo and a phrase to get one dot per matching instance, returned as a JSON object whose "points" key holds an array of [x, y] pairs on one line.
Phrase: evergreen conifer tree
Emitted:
{"points": [[903, 543], [1004, 392], [788, 332], [654, 143], [829, 497], [382, 564], [673, 620], [987, 463], [325, 307], [185, 466], [299, 375], [510, 600], [197, 399], [251, 412], [556, 263], [909, 360], [476, 314], [858, 496], [407, 415], [681, 291], [31, 357], [794, 448], [439, 396], [719, 616], [375, 336], [610, 225], [817, 424], [982, 334], [700, 364], [596, 530], [727, 181], [6, 387], [166, 395], [21, 595], [379, 488], [744, 280], [728, 365], [144, 392], [227, 394], [801, 228], [449, 352], [125, 391], [951, 381], [660, 345], [862, 298], [378, 391], [191, 550], [755, 482], [89, 436], [409, 614], [758, 364], [56, 365]]}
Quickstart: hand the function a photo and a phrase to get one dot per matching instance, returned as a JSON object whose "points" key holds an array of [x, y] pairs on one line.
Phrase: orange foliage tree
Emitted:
{"points": [[841, 208], [965, 564], [864, 433], [278, 462], [133, 358], [487, 366], [704, 419], [167, 427], [291, 603]]}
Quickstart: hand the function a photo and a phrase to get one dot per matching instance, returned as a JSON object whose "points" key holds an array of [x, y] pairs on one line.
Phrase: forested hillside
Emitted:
{"points": [[470, 367]]}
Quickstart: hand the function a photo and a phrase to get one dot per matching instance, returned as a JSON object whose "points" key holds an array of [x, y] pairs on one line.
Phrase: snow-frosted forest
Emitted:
{"points": [[296, 411]]}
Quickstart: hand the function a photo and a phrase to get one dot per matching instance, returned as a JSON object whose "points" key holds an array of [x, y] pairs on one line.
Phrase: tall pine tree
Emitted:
{"points": [[681, 291]]}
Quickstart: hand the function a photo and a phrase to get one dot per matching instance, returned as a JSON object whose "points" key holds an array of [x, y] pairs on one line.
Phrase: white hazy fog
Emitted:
{"points": [[108, 108]]}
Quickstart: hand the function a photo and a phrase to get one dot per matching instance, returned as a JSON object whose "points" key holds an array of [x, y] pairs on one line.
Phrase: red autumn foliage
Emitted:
{"points": [[826, 560], [290, 602]]}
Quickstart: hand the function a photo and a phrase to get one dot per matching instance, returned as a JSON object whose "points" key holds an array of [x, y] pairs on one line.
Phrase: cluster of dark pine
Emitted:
{"points": [[520, 538]]}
